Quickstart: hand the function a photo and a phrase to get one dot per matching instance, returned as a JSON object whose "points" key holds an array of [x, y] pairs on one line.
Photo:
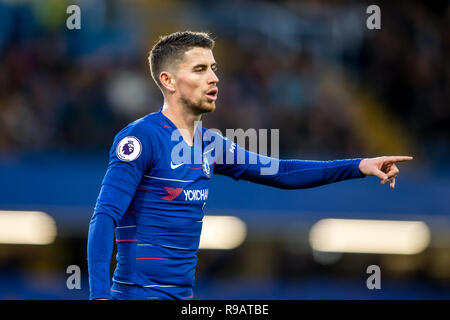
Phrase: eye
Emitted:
{"points": [[199, 69]]}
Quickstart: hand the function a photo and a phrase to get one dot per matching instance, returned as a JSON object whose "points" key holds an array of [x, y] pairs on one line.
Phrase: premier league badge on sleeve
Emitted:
{"points": [[129, 149], [206, 168]]}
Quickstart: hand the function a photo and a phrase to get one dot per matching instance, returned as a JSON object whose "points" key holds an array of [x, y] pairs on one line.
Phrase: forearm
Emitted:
{"points": [[99, 250], [298, 174]]}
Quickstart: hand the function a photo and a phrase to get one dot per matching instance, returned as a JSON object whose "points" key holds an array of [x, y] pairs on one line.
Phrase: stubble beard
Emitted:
{"points": [[199, 108]]}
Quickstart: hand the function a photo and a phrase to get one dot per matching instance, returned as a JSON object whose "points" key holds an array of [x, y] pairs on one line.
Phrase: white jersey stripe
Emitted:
{"points": [[147, 286], [168, 179], [161, 286], [121, 281]]}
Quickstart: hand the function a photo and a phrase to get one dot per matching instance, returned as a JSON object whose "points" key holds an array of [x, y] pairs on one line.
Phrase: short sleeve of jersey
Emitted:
{"points": [[130, 157]]}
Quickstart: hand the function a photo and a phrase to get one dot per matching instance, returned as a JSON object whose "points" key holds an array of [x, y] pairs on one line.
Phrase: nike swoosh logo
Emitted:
{"points": [[174, 166]]}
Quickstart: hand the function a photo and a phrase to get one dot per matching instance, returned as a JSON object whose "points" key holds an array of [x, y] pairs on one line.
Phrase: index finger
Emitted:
{"points": [[398, 158]]}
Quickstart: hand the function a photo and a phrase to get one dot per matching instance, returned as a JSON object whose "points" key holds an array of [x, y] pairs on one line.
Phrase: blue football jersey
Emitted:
{"points": [[158, 235]]}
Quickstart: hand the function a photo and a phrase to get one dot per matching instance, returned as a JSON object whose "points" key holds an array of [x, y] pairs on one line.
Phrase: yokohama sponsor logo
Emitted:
{"points": [[195, 195]]}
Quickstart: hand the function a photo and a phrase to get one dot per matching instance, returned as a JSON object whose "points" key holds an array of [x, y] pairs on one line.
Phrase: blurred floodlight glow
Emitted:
{"points": [[369, 236], [222, 232], [26, 227]]}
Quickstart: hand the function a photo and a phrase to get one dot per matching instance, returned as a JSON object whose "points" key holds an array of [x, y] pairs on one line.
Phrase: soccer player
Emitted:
{"points": [[154, 201]]}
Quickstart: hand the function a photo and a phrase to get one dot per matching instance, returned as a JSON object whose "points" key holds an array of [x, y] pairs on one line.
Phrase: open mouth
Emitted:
{"points": [[212, 94]]}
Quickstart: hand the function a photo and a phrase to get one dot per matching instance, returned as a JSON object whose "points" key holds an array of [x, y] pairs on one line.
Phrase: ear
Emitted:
{"points": [[167, 80]]}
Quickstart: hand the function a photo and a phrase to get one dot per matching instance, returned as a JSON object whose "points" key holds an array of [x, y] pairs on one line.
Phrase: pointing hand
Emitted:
{"points": [[382, 167]]}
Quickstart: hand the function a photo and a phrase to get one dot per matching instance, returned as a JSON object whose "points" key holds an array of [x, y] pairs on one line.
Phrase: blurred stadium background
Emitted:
{"points": [[312, 69]]}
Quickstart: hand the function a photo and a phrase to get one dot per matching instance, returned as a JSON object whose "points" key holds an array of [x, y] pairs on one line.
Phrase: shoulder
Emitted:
{"points": [[146, 128], [137, 137]]}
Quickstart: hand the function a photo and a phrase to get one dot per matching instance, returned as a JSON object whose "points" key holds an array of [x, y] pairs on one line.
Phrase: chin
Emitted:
{"points": [[205, 108], [200, 108], [210, 107]]}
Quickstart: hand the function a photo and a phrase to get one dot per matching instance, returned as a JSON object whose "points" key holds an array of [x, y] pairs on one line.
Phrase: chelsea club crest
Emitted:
{"points": [[206, 168]]}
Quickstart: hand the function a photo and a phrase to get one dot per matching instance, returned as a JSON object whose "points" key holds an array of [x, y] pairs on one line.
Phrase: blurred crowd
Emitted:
{"points": [[66, 89], [409, 69]]}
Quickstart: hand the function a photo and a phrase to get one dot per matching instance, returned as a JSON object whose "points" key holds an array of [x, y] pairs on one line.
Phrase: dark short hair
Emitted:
{"points": [[170, 48]]}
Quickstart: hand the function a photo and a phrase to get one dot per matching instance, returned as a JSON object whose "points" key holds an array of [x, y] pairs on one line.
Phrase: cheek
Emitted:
{"points": [[189, 88]]}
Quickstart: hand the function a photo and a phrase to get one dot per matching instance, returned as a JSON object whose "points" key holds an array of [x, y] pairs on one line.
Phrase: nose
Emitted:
{"points": [[213, 77]]}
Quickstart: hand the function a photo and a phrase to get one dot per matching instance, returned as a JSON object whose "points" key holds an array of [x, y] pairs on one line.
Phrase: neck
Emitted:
{"points": [[182, 119]]}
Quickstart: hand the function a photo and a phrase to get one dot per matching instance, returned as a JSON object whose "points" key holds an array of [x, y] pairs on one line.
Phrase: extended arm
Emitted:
{"points": [[298, 174], [239, 163]]}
